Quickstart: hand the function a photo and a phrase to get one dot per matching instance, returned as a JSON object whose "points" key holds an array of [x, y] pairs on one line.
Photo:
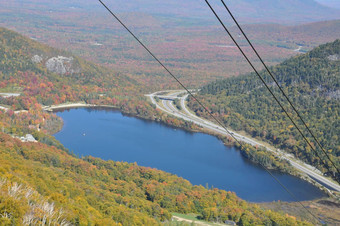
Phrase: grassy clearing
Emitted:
{"points": [[190, 216], [190, 219]]}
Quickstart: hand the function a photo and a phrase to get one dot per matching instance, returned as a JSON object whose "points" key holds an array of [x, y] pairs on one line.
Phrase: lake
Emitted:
{"points": [[200, 158]]}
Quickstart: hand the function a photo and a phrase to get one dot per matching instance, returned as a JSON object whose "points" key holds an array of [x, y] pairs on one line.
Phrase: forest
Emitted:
{"points": [[312, 83], [195, 48], [43, 183], [90, 83]]}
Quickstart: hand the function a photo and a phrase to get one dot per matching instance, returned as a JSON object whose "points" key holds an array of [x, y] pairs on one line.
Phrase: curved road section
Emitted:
{"points": [[165, 103]]}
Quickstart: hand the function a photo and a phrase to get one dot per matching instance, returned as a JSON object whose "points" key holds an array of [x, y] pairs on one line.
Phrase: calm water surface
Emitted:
{"points": [[200, 158]]}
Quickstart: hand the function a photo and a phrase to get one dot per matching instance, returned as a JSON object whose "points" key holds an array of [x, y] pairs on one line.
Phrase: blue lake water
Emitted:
{"points": [[200, 158]]}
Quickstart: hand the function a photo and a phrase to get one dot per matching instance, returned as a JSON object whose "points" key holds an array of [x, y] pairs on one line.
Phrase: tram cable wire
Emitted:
{"points": [[271, 92], [205, 108], [284, 94]]}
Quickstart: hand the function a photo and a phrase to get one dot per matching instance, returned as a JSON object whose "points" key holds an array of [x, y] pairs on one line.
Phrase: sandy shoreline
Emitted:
{"points": [[74, 105]]}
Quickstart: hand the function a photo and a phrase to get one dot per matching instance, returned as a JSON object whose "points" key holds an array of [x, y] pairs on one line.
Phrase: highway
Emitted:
{"points": [[167, 106]]}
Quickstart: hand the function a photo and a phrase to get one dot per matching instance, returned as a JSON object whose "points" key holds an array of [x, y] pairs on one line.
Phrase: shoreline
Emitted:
{"points": [[63, 107], [52, 108], [295, 163]]}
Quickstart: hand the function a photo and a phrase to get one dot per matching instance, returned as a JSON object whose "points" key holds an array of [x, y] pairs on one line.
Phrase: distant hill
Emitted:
{"points": [[308, 36], [19, 53], [22, 59], [330, 3], [312, 82], [282, 11], [43, 75], [248, 11], [183, 34]]}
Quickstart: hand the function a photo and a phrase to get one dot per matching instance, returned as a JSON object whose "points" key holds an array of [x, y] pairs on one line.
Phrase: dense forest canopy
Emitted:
{"points": [[94, 191], [312, 82]]}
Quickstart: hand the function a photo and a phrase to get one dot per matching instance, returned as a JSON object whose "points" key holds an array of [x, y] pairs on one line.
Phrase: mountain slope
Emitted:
{"points": [[312, 82], [247, 11], [330, 3], [42, 183], [42, 75], [53, 76], [183, 34], [282, 11], [308, 35], [273, 11], [20, 54]]}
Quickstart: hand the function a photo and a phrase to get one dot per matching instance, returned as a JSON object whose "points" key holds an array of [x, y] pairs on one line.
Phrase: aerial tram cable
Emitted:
{"points": [[271, 92], [205, 108], [282, 91]]}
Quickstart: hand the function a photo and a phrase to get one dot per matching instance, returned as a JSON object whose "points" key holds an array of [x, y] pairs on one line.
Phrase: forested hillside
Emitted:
{"points": [[54, 76], [184, 35], [312, 81], [263, 11], [42, 75], [42, 183]]}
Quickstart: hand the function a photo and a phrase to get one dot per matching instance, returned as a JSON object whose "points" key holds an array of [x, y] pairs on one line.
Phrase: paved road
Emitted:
{"points": [[9, 94], [185, 114]]}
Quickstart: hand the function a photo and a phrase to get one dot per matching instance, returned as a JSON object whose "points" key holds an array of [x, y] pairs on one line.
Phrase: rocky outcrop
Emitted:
{"points": [[36, 59], [61, 65], [334, 57]]}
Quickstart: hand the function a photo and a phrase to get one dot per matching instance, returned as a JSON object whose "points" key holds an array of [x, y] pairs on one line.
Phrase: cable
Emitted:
{"points": [[278, 85], [221, 124], [271, 92]]}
